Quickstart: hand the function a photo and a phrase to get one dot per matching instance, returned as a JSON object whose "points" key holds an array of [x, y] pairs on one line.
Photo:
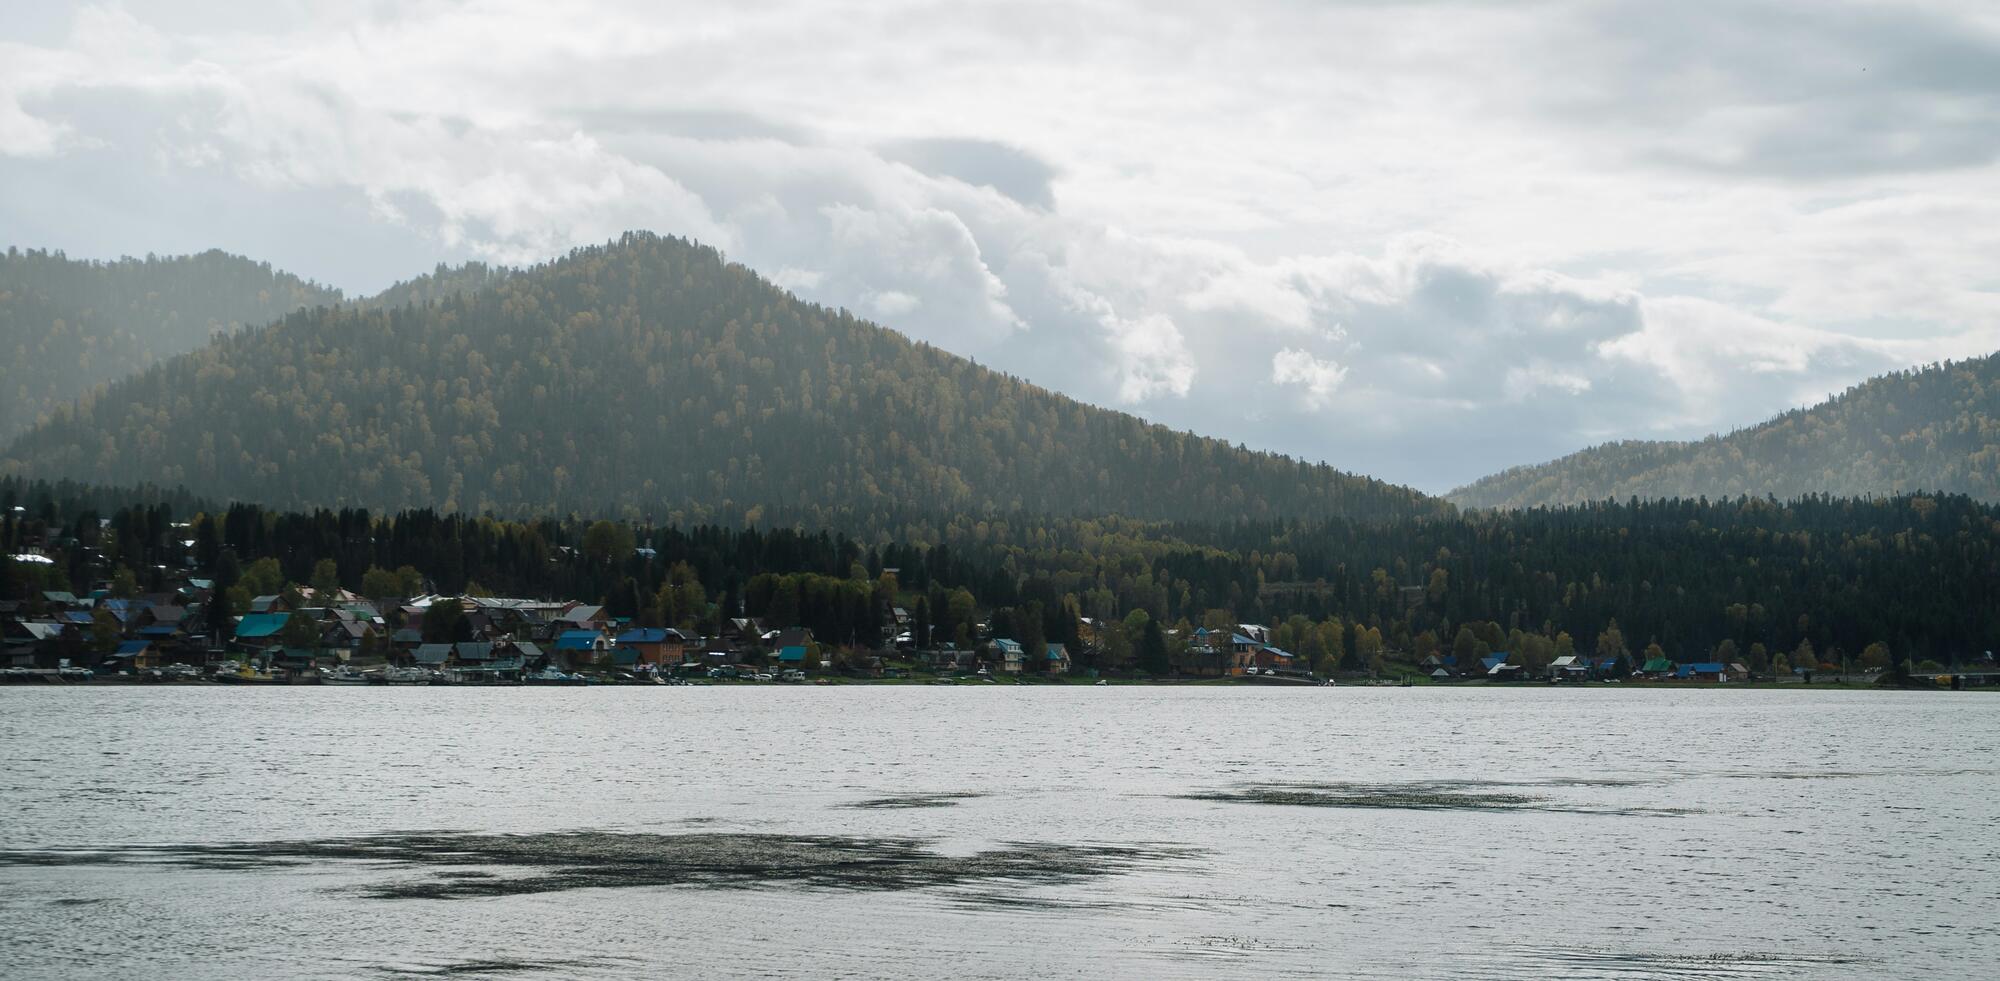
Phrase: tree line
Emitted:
{"points": [[1819, 580]]}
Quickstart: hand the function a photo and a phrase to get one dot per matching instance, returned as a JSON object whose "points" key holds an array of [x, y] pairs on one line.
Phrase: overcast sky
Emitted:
{"points": [[1424, 241]]}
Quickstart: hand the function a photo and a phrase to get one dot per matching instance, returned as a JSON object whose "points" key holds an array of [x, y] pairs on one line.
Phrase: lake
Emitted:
{"points": [[1141, 832]]}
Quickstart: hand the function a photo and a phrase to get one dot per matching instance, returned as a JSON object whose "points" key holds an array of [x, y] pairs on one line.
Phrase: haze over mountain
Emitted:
{"points": [[67, 325], [1935, 428], [647, 378]]}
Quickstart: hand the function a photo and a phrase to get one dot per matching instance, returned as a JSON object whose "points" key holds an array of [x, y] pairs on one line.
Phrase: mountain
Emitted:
{"points": [[1935, 428], [650, 378], [68, 325], [438, 284]]}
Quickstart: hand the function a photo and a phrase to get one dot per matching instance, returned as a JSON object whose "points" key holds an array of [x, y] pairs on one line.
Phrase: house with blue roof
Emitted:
{"points": [[578, 648], [1002, 654], [258, 629], [139, 653], [793, 655], [650, 645], [1702, 671], [1058, 659], [1270, 659]]}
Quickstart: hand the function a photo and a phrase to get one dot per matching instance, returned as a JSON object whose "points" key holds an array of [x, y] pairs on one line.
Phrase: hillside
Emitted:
{"points": [[1935, 428], [649, 378], [68, 325]]}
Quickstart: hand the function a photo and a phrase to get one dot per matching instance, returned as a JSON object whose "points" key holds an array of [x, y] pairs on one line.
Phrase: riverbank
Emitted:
{"points": [[52, 677]]}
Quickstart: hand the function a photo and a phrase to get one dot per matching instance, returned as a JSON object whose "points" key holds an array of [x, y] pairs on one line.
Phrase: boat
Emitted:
{"points": [[244, 675], [552, 676], [343, 675], [405, 676]]}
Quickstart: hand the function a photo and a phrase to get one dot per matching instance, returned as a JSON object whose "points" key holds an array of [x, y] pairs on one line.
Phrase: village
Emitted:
{"points": [[305, 635]]}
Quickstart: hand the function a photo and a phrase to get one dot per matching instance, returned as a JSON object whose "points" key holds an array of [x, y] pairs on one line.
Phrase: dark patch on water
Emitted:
{"points": [[74, 902], [1657, 964], [1430, 795], [554, 862], [487, 967], [949, 799]]}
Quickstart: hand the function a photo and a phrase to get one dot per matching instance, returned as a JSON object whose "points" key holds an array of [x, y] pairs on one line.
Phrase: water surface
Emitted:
{"points": [[997, 832]]}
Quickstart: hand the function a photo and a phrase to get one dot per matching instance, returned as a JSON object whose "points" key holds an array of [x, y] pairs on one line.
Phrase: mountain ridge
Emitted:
{"points": [[70, 325], [1932, 428], [643, 376]]}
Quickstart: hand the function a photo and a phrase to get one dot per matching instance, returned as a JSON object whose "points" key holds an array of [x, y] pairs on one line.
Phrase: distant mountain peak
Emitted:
{"points": [[1932, 428]]}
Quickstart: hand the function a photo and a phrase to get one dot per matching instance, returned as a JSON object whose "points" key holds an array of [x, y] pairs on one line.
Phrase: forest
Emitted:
{"points": [[67, 326], [649, 379], [1934, 428], [1748, 579]]}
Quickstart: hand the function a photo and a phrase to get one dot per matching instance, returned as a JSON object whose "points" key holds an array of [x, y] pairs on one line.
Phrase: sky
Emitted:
{"points": [[1425, 241]]}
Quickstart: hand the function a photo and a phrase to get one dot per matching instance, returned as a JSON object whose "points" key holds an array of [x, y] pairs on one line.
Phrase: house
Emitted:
{"points": [[1273, 659], [1058, 659], [346, 636], [28, 643], [945, 657], [651, 645], [162, 615], [471, 652], [1004, 655], [530, 655], [1241, 653], [580, 617], [1569, 667], [258, 630], [743, 633], [793, 656], [138, 655], [578, 648], [434, 656], [1702, 671], [1658, 667]]}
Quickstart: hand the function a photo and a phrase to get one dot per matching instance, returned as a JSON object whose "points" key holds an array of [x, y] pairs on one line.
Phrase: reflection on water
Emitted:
{"points": [[1121, 832]]}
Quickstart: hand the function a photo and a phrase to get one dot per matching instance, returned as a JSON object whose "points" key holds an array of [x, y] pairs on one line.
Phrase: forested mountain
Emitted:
{"points": [[67, 325], [1935, 428], [649, 377], [438, 284]]}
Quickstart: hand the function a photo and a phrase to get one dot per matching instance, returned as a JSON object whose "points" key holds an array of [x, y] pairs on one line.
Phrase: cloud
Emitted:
{"points": [[1013, 172], [1319, 377], [1385, 235], [1766, 88]]}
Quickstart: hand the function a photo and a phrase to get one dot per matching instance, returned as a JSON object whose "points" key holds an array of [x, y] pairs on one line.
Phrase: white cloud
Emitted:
{"points": [[1318, 376], [1341, 230]]}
